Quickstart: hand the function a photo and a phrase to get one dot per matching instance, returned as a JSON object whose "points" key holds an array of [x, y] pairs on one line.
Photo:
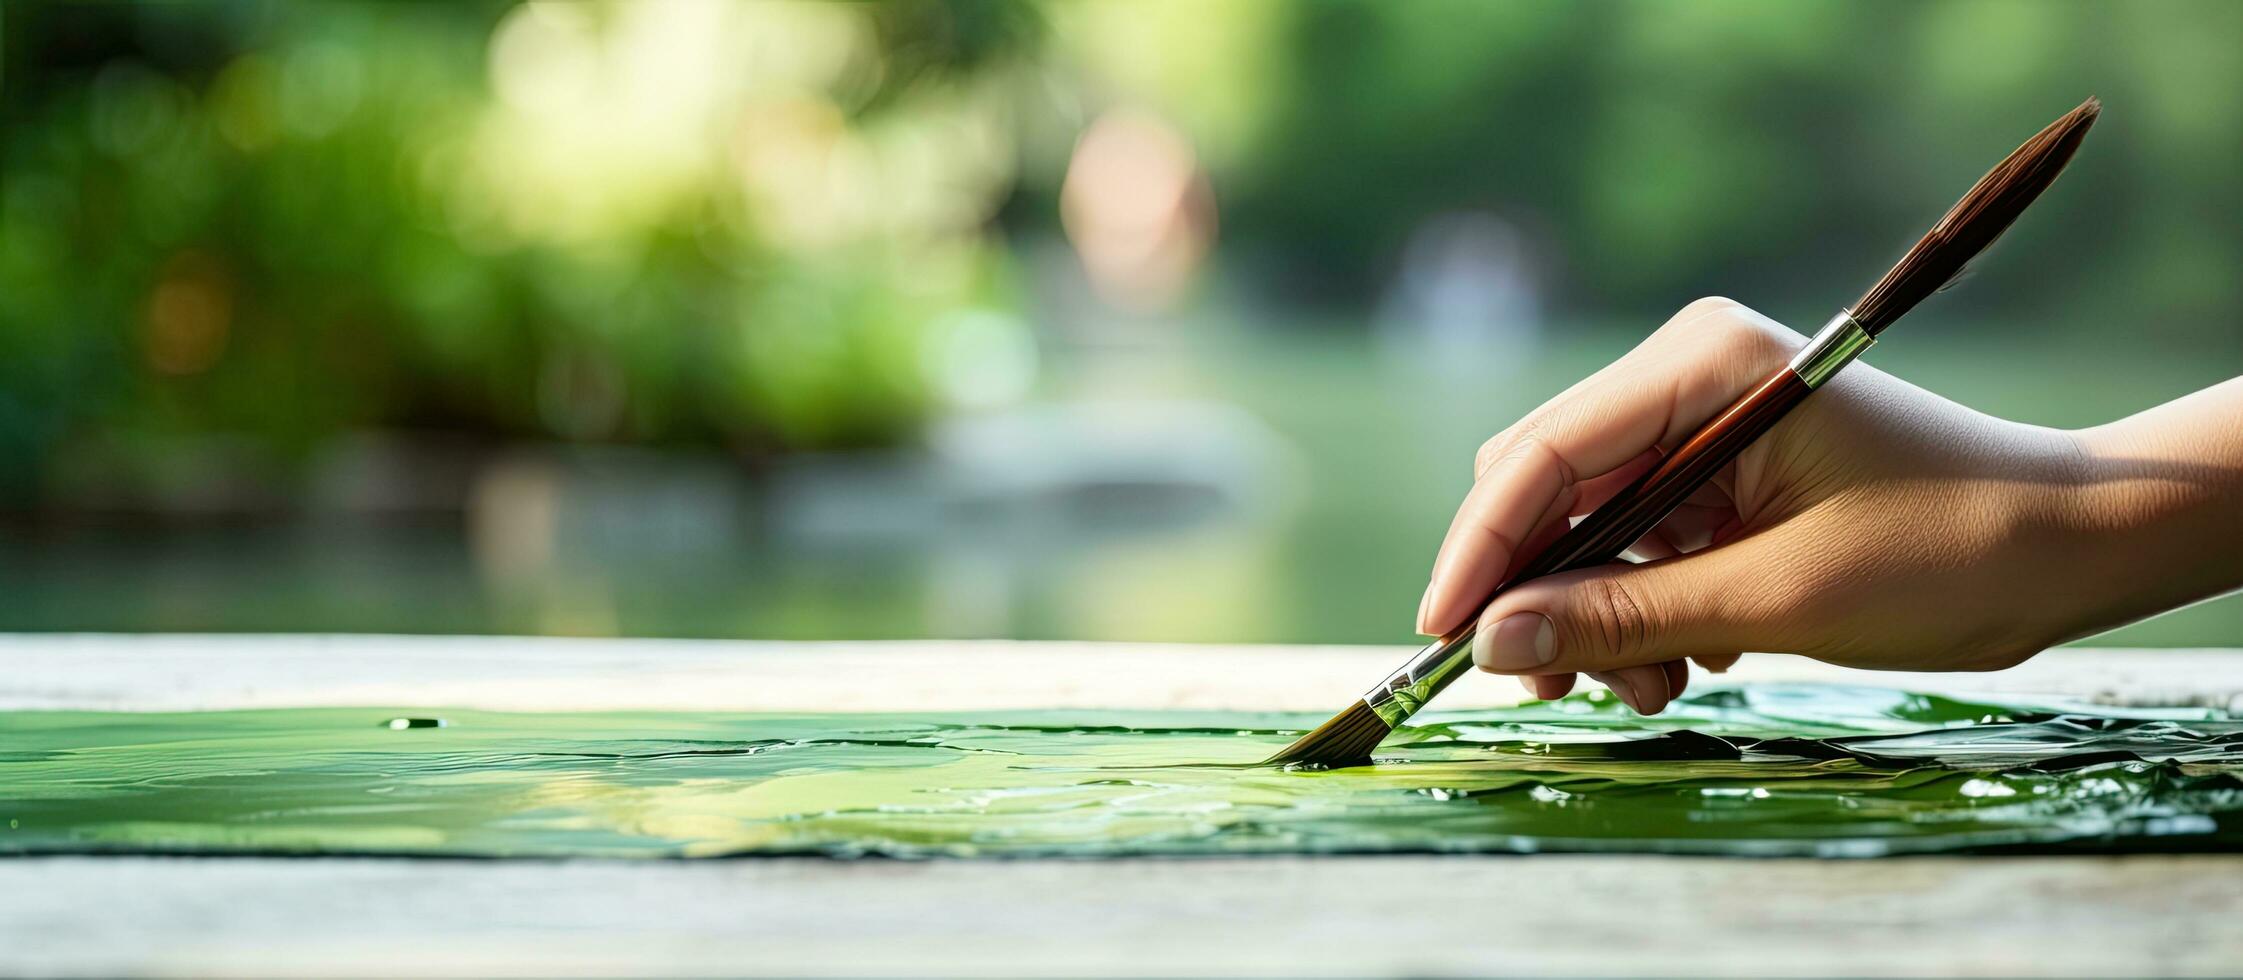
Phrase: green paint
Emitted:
{"points": [[1766, 770]]}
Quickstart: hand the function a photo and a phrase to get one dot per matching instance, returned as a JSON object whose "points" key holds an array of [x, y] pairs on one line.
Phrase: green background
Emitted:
{"points": [[667, 319]]}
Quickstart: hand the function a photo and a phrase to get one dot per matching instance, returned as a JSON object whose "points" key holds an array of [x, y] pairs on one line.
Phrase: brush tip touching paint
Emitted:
{"points": [[1347, 738], [1931, 264]]}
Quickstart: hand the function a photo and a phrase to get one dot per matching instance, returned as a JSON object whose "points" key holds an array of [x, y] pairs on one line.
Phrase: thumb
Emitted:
{"points": [[1709, 603]]}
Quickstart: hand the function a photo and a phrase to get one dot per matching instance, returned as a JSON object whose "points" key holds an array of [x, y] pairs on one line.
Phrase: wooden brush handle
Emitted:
{"points": [[1629, 515], [1973, 223], [1634, 511]]}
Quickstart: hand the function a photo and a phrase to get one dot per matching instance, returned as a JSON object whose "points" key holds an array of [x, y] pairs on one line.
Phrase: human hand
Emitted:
{"points": [[1878, 526]]}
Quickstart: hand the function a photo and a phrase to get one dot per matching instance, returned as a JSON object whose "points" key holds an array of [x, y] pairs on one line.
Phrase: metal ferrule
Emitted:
{"points": [[1406, 690], [1835, 346]]}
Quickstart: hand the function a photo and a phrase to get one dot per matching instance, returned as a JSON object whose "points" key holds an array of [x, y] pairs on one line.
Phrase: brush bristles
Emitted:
{"points": [[1971, 225], [1976, 220], [1345, 740]]}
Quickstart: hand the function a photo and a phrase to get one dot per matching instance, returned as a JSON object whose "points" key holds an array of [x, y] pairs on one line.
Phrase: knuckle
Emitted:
{"points": [[1533, 441], [1705, 305], [1615, 622], [1733, 326], [1519, 441], [1758, 339], [1488, 453]]}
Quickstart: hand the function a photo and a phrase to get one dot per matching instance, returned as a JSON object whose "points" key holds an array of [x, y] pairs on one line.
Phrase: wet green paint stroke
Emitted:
{"points": [[1772, 770]]}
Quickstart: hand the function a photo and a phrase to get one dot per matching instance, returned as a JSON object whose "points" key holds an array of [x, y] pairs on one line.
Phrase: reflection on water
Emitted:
{"points": [[1815, 770], [1225, 485]]}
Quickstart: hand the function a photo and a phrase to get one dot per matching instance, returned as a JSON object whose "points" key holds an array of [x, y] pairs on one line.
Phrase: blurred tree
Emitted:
{"points": [[742, 224], [1662, 150], [640, 221]]}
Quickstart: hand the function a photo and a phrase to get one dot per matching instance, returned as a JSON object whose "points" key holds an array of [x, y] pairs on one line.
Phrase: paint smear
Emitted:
{"points": [[1771, 770]]}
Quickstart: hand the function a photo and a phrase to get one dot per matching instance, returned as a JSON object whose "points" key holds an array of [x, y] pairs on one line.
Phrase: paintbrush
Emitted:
{"points": [[1935, 261]]}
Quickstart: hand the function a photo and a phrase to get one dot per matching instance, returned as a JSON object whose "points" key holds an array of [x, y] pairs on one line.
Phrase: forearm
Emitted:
{"points": [[2160, 509]]}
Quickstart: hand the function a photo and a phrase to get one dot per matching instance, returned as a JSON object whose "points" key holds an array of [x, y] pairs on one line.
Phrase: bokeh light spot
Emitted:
{"points": [[1137, 208], [190, 313]]}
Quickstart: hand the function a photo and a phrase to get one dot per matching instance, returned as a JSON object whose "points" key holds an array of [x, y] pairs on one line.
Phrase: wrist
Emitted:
{"points": [[2144, 527], [2130, 488], [2047, 556]]}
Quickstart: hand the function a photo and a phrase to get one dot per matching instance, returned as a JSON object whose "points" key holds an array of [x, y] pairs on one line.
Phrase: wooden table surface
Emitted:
{"points": [[1413, 915]]}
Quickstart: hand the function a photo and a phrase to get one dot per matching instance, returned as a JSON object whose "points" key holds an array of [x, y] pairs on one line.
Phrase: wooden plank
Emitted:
{"points": [[1293, 917], [202, 672]]}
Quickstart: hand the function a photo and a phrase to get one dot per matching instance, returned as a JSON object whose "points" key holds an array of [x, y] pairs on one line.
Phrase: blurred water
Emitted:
{"points": [[1226, 484]]}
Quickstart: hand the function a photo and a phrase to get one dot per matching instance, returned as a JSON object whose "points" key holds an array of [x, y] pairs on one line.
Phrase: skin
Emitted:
{"points": [[1877, 526]]}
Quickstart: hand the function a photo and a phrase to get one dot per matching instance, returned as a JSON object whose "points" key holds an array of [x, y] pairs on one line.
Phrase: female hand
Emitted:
{"points": [[1877, 526]]}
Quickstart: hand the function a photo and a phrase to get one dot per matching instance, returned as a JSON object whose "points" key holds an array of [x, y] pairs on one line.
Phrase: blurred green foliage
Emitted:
{"points": [[744, 224], [1665, 150], [653, 223]]}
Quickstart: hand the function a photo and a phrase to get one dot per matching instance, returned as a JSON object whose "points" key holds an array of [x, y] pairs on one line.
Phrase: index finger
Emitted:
{"points": [[1698, 362]]}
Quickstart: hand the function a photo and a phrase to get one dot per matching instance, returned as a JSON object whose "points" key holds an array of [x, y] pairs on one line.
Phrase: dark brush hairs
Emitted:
{"points": [[1976, 220]]}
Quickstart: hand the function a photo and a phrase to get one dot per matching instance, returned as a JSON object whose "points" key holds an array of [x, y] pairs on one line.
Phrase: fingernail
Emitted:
{"points": [[1522, 641], [1422, 599], [1532, 691]]}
